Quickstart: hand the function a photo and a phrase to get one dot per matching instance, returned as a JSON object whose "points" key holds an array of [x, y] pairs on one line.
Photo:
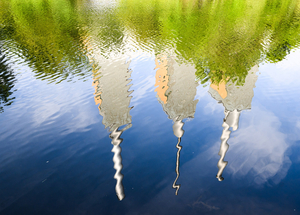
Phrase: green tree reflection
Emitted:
{"points": [[46, 33], [224, 39], [7, 80]]}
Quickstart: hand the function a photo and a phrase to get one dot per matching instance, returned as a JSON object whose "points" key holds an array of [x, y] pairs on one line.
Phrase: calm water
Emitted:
{"points": [[149, 107]]}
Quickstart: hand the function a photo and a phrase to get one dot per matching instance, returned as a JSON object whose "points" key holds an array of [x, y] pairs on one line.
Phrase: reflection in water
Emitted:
{"points": [[113, 96], [231, 120], [47, 36], [235, 99], [7, 80], [245, 33], [53, 47], [117, 159], [176, 90], [178, 132]]}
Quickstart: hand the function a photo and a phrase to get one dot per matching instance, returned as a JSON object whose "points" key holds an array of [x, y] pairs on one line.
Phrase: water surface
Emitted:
{"points": [[149, 107]]}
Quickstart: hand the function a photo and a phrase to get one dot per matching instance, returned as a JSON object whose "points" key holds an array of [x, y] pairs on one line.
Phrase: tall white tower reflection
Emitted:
{"points": [[113, 96], [234, 99], [176, 90]]}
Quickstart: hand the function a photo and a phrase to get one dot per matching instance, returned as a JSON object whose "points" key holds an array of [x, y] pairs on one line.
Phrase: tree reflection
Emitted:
{"points": [[7, 80], [223, 39], [47, 35]]}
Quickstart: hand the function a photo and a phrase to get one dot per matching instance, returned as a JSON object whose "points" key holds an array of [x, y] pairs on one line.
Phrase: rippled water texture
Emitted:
{"points": [[149, 107]]}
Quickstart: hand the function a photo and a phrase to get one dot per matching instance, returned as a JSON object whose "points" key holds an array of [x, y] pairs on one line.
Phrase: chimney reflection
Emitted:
{"points": [[113, 96], [176, 90], [235, 99]]}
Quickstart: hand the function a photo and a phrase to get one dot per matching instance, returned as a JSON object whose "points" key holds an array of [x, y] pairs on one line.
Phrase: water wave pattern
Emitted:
{"points": [[76, 76]]}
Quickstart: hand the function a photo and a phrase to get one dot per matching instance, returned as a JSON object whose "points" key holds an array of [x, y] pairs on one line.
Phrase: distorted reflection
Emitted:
{"points": [[176, 90], [50, 44], [217, 41], [7, 80], [113, 96], [235, 99]]}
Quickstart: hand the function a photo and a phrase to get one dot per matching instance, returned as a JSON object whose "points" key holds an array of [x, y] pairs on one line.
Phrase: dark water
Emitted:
{"points": [[149, 107]]}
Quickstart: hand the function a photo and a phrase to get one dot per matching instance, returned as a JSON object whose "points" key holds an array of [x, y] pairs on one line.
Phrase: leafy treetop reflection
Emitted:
{"points": [[7, 81], [46, 33], [222, 38]]}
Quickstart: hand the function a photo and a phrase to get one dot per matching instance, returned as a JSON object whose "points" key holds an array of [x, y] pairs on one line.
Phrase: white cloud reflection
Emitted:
{"points": [[257, 149]]}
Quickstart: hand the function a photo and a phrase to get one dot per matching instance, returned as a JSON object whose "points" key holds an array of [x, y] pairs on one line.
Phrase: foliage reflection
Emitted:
{"points": [[223, 39]]}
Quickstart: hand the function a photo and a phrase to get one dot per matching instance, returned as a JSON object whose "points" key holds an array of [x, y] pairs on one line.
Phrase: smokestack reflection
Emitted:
{"points": [[113, 96], [117, 159], [178, 132], [231, 120], [176, 90], [235, 99]]}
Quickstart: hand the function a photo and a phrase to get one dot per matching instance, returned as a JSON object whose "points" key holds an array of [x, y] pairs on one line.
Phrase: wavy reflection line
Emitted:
{"points": [[223, 149], [231, 120], [117, 159], [176, 90], [178, 132], [234, 98], [177, 186], [112, 84]]}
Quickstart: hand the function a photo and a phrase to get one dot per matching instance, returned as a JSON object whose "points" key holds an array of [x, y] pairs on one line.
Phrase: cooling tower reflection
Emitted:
{"points": [[235, 99], [113, 96], [176, 90]]}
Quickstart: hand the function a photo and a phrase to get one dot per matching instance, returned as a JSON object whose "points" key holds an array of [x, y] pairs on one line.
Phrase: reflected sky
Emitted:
{"points": [[258, 153]]}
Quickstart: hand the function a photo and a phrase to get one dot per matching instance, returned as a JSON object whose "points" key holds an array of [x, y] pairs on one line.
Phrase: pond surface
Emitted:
{"points": [[149, 107]]}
